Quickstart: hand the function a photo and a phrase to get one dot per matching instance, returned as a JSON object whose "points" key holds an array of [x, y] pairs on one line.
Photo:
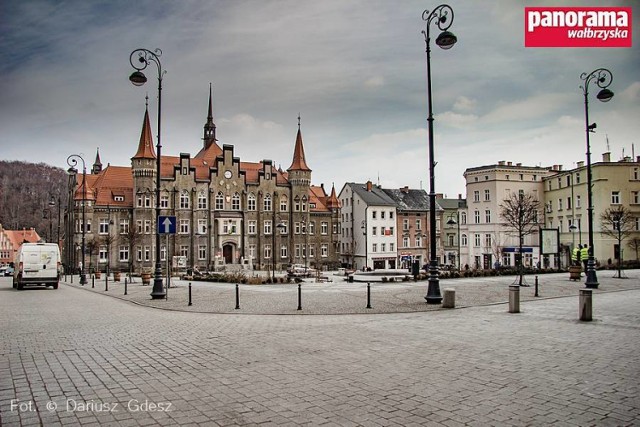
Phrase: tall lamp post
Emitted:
{"points": [[276, 251], [603, 78], [144, 58], [72, 161], [364, 233], [443, 17], [454, 221]]}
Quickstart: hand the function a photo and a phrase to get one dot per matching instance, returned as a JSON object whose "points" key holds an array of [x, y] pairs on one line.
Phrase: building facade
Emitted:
{"points": [[615, 184], [487, 241], [11, 240], [228, 212]]}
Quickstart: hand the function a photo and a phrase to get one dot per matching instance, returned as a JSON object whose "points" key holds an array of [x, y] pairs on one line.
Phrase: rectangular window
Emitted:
{"points": [[476, 240], [252, 251], [251, 229], [405, 242], [267, 251], [102, 254], [164, 201], [487, 216], [267, 227], [324, 228], [391, 215], [184, 226], [139, 226], [324, 250], [124, 253], [374, 247], [383, 247], [568, 202], [147, 253], [487, 195], [374, 214], [139, 253], [202, 252], [476, 196], [163, 253], [147, 226], [374, 231], [418, 224], [312, 251], [615, 197], [418, 241], [103, 228], [476, 216], [124, 226], [297, 250], [184, 250], [487, 240], [559, 204], [405, 224], [383, 231], [202, 226], [391, 231], [578, 204], [635, 197], [392, 247], [382, 214]]}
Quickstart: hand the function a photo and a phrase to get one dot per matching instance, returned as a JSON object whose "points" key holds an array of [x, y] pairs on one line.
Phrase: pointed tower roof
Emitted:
{"points": [[299, 162], [97, 165], [145, 146], [332, 201]]}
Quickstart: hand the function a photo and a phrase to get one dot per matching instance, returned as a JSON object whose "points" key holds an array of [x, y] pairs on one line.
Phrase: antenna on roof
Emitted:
{"points": [[607, 136]]}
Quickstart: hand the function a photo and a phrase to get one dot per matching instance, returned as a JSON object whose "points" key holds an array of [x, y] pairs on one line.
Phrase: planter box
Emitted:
{"points": [[575, 272]]}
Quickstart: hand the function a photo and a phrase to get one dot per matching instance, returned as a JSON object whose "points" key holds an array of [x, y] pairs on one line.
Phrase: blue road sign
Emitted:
{"points": [[166, 224]]}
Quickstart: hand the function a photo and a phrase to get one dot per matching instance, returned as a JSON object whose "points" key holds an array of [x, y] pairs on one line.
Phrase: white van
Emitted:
{"points": [[37, 264]]}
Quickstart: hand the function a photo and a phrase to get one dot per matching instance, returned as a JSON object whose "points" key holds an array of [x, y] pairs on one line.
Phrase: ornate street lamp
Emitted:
{"points": [[144, 58], [72, 161], [603, 78], [443, 17], [276, 251]]}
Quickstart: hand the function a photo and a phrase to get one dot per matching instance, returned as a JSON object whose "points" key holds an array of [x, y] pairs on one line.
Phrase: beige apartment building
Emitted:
{"points": [[485, 242], [566, 201]]}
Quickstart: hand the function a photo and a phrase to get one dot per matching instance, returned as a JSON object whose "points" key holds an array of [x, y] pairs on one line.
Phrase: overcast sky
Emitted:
{"points": [[353, 69]]}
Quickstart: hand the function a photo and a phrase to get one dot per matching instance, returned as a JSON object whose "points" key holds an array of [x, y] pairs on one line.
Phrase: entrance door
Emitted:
{"points": [[227, 253]]}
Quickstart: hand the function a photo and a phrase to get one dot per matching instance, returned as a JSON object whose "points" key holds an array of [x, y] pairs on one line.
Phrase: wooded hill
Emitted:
{"points": [[25, 192]]}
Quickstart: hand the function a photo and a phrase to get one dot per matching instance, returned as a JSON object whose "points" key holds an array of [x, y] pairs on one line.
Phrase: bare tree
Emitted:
{"points": [[618, 223], [133, 237], [519, 214], [90, 248]]}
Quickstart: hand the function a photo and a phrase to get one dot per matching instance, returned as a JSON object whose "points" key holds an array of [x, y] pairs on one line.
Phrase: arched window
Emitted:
{"points": [[219, 201], [184, 200], [235, 202], [463, 218], [284, 204], [304, 204], [296, 204], [463, 240], [251, 202], [267, 202], [202, 200]]}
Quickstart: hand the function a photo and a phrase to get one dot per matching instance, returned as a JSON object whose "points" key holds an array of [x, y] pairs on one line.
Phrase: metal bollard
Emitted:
{"points": [[237, 297], [72, 279], [106, 284], [536, 285], [125, 286], [299, 296], [585, 305], [368, 295], [514, 299], [93, 281], [189, 293]]}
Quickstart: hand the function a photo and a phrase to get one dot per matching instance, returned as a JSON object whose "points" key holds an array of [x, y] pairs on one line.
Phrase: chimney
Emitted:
{"points": [[369, 185], [518, 164], [439, 196], [580, 163], [638, 159], [459, 196], [606, 157], [560, 167], [509, 163], [501, 163], [404, 189]]}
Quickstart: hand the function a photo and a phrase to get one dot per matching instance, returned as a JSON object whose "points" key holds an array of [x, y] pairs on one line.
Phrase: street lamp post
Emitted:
{"points": [[453, 221], [72, 161], [603, 78], [276, 251], [443, 17], [144, 58], [363, 226]]}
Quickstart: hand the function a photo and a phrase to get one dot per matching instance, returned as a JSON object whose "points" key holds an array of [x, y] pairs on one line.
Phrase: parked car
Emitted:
{"points": [[37, 264], [7, 270], [300, 270]]}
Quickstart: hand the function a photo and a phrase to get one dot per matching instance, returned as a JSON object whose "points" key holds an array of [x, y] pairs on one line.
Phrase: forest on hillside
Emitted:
{"points": [[26, 191]]}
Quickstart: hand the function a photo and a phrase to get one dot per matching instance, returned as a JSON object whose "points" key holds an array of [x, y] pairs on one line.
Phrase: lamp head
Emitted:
{"points": [[592, 127], [446, 40], [138, 78], [605, 95], [72, 171], [451, 221]]}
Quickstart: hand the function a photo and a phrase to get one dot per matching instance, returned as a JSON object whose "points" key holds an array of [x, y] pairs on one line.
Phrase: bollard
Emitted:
{"points": [[449, 298], [106, 285], [189, 293], [536, 284], [585, 305], [237, 297], [72, 279], [514, 299], [93, 281], [368, 295], [299, 296], [125, 286]]}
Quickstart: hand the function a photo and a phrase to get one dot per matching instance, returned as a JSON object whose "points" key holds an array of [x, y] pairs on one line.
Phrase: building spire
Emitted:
{"points": [[145, 146], [299, 162], [209, 127], [97, 165]]}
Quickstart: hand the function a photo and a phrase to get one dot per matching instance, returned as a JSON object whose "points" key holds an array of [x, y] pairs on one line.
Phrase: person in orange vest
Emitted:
{"points": [[584, 256]]}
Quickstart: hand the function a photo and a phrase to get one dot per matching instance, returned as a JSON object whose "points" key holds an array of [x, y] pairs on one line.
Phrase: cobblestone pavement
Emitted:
{"points": [[340, 297], [71, 357]]}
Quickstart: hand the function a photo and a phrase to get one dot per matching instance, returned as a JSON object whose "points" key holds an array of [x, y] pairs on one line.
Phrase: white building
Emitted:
{"points": [[368, 227]]}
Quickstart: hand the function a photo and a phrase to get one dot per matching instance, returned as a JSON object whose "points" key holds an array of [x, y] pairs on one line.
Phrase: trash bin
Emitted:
{"points": [[350, 278]]}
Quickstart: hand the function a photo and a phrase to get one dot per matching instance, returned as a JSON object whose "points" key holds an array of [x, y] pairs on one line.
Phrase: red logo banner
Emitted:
{"points": [[577, 26]]}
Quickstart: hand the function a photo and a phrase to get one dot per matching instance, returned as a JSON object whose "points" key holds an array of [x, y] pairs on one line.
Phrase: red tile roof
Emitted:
{"points": [[145, 146], [299, 162]]}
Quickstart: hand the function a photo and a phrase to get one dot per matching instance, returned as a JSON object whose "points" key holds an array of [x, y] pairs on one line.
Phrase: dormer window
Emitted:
{"points": [[118, 198]]}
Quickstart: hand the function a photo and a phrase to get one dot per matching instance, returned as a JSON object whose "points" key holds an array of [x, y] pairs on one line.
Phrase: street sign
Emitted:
{"points": [[166, 224]]}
